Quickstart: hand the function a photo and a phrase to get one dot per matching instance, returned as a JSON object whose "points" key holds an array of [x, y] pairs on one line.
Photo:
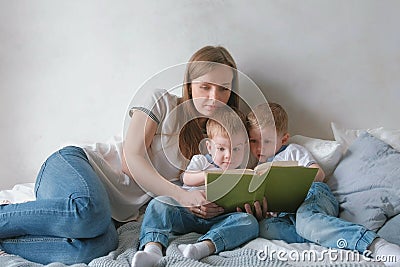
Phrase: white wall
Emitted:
{"points": [[68, 69]]}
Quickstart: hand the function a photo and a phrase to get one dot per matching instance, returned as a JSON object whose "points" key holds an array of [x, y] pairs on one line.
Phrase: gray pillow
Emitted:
{"points": [[390, 231], [366, 182]]}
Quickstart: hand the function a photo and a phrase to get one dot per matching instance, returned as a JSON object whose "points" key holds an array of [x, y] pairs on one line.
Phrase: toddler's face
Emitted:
{"points": [[264, 142], [227, 153]]}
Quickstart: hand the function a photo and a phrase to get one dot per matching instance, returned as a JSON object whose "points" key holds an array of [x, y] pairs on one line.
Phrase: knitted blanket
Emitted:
{"points": [[246, 256]]}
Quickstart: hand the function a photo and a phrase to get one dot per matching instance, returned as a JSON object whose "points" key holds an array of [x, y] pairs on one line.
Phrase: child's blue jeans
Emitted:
{"points": [[316, 221], [70, 221], [164, 216]]}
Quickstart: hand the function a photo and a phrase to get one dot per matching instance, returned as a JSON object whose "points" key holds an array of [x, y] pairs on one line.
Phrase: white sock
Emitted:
{"points": [[149, 257], [195, 251], [385, 251]]}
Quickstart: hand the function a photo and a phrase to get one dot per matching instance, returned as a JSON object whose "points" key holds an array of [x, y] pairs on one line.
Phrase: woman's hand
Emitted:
{"points": [[261, 211], [196, 202], [207, 211]]}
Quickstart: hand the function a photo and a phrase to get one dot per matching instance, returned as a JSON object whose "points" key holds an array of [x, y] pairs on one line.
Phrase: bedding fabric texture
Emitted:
{"points": [[326, 152], [347, 136], [366, 182], [246, 256], [390, 231], [241, 257]]}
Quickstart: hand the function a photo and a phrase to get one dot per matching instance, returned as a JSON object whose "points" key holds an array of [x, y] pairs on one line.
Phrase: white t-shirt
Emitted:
{"points": [[198, 163], [126, 196], [296, 152]]}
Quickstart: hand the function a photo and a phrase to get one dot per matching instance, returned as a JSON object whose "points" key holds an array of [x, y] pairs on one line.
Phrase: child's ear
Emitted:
{"points": [[209, 144], [285, 138]]}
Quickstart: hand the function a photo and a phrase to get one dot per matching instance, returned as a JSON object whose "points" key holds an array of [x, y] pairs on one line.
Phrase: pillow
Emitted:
{"points": [[390, 231], [347, 136], [327, 153], [366, 182]]}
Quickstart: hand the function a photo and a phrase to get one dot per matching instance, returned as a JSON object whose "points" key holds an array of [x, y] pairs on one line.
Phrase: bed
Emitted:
{"points": [[363, 166]]}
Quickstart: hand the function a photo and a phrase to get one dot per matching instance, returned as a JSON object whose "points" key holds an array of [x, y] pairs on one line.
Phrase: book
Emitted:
{"points": [[283, 183]]}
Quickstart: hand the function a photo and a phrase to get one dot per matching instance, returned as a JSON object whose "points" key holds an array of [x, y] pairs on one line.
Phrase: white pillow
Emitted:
{"points": [[347, 136], [326, 152]]}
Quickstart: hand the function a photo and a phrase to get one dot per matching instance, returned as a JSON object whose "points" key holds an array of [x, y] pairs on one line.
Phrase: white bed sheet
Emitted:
{"points": [[19, 193]]}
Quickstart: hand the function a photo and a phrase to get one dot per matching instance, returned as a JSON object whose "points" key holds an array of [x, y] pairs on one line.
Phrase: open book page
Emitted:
{"points": [[263, 167], [234, 171], [259, 169]]}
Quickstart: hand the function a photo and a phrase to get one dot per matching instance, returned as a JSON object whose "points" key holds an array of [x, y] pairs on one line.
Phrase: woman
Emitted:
{"points": [[79, 190]]}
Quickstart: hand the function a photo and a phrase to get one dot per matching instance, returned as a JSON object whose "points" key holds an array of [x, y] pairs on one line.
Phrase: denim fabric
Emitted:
{"points": [[164, 216], [69, 222], [316, 221]]}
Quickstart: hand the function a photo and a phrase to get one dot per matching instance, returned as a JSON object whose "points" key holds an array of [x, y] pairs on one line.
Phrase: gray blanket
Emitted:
{"points": [[128, 243]]}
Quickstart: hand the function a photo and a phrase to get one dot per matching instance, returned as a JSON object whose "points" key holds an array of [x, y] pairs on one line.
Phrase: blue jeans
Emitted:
{"points": [[316, 221], [164, 216], [70, 220]]}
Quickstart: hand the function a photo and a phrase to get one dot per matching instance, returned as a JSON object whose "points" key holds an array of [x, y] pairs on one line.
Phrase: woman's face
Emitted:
{"points": [[212, 90]]}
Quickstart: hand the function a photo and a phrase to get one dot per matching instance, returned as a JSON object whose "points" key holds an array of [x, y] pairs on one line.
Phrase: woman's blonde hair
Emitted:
{"points": [[202, 62], [268, 115]]}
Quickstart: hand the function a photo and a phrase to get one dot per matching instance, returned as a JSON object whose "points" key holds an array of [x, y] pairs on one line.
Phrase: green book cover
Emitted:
{"points": [[284, 184]]}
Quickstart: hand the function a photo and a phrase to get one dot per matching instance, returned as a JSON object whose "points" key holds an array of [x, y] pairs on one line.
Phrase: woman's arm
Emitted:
{"points": [[136, 165], [192, 178], [138, 139]]}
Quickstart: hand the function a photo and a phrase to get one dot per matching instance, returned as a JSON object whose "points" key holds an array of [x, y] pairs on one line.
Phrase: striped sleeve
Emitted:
{"points": [[145, 110], [154, 103]]}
